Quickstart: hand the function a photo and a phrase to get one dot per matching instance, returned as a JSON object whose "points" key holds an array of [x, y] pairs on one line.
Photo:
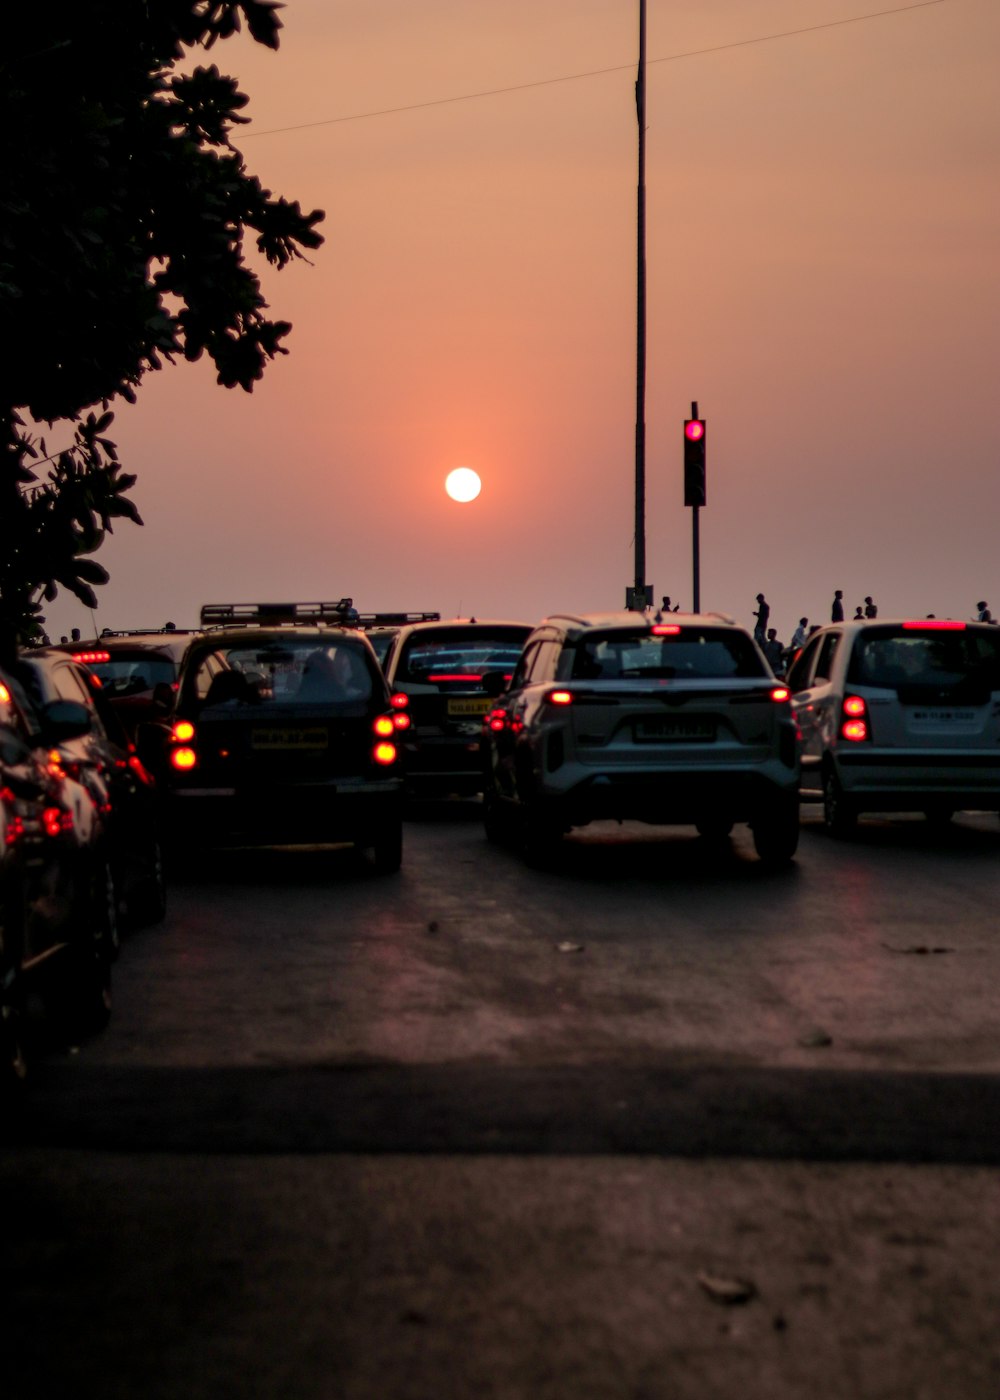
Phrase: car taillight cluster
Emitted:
{"points": [[399, 703], [854, 720], [56, 820], [183, 755], [780, 694], [559, 697], [384, 726]]}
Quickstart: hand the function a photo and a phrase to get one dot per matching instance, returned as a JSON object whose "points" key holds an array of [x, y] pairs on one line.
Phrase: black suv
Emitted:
{"points": [[664, 719], [138, 670], [281, 733]]}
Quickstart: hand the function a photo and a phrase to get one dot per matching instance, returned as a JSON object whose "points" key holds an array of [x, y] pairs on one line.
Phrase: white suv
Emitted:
{"points": [[672, 718], [900, 716]]}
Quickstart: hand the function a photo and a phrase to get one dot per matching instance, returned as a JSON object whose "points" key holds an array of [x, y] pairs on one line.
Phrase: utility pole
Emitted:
{"points": [[638, 597]]}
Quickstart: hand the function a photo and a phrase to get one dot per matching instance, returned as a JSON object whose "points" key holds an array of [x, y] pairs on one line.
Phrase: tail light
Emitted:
{"points": [[854, 720], [559, 697], [400, 700], [183, 755], [4, 695], [183, 759], [383, 726], [384, 753], [665, 629], [495, 720], [401, 720], [56, 820], [780, 694], [182, 732], [91, 658]]}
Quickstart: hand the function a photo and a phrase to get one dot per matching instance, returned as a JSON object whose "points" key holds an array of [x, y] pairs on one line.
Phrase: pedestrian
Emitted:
{"points": [[666, 607], [74, 634], [871, 609], [859, 614], [837, 607], [762, 614], [800, 634], [984, 613], [774, 651]]}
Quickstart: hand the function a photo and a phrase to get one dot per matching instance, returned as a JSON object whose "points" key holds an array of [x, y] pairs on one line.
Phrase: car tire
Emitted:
{"points": [[776, 830], [840, 816], [387, 848], [147, 901]]}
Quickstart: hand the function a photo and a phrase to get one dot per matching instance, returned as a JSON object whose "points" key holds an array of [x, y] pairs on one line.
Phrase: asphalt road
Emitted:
{"points": [[657, 1122]]}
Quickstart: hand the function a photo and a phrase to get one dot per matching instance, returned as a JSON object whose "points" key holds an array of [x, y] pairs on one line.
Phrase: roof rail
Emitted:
{"points": [[396, 619], [339, 614]]}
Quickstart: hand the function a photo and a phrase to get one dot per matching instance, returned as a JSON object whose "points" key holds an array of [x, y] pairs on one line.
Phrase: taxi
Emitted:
{"points": [[435, 671], [281, 733]]}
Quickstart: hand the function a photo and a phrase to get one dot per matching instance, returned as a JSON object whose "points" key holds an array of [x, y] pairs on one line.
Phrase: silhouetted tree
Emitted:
{"points": [[124, 212]]}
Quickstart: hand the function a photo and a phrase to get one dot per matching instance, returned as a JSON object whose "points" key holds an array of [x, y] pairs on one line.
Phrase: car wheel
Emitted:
{"points": [[714, 828], [839, 813], [387, 848], [147, 902], [776, 831], [541, 836]]}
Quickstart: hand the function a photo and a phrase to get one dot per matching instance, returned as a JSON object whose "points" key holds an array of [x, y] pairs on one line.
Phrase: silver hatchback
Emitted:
{"points": [[900, 716]]}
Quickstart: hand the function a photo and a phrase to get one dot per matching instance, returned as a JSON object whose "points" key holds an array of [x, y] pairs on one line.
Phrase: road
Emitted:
{"points": [[657, 1122]]}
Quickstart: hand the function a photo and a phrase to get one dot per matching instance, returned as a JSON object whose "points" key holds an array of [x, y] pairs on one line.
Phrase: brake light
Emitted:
{"points": [[854, 726], [384, 754], [184, 759], [182, 732], [91, 658], [446, 676], [56, 820], [496, 720], [665, 629], [780, 694], [933, 624], [400, 700], [4, 695], [559, 697], [401, 719], [383, 725]]}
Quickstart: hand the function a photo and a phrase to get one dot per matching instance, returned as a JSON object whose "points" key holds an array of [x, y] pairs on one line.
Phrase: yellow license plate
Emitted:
{"points": [[469, 707], [282, 737]]}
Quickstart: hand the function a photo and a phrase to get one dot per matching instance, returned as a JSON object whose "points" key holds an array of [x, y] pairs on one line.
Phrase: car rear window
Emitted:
{"points": [[461, 655], [895, 657], [696, 653], [132, 675], [295, 672]]}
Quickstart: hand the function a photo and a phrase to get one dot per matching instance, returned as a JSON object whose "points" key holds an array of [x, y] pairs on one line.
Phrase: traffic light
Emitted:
{"points": [[694, 461]]}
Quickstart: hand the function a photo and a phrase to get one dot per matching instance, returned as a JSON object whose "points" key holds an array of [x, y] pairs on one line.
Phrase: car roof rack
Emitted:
{"points": [[339, 614], [107, 632]]}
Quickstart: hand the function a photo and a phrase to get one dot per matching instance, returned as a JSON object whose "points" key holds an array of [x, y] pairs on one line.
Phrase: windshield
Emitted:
{"points": [[694, 653], [131, 675], [295, 671]]}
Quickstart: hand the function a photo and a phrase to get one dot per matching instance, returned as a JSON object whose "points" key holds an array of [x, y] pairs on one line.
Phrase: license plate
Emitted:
{"points": [[469, 707], [283, 737], [945, 716], [657, 730]]}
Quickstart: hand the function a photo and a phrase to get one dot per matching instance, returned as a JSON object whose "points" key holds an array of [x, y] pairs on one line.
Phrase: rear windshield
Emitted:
{"points": [[132, 675], [296, 672], [460, 655], [696, 653], [934, 658]]}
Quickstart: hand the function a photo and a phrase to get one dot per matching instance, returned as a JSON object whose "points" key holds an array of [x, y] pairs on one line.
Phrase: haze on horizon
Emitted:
{"points": [[823, 218]]}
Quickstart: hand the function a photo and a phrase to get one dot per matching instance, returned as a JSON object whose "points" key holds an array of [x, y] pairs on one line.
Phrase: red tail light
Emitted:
{"points": [[780, 694], [384, 754], [933, 624], [496, 720], [383, 725], [4, 695], [183, 759], [56, 820], [400, 700], [854, 725], [91, 658], [665, 629], [559, 697], [182, 732], [401, 719]]}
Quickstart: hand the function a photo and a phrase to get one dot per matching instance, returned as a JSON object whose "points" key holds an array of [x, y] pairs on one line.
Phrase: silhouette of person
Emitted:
{"points": [[984, 613], [665, 606], [762, 614], [800, 634], [871, 608], [859, 614], [837, 606], [774, 651], [74, 634]]}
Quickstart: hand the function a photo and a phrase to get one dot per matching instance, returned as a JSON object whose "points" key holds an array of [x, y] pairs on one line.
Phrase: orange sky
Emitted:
{"points": [[823, 225]]}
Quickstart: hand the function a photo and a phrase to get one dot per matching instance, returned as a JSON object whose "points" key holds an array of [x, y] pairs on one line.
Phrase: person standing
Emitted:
{"points": [[762, 614], [871, 608], [837, 607], [774, 652], [800, 634], [984, 614], [859, 614]]}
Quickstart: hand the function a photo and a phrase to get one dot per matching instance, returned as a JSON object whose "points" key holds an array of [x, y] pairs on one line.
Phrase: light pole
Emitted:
{"points": [[639, 595]]}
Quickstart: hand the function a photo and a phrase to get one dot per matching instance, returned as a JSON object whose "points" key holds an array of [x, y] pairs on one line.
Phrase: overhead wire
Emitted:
{"points": [[593, 72]]}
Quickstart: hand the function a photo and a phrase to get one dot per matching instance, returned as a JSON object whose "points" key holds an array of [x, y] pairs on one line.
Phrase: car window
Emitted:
{"points": [[132, 675], [458, 655], [827, 653], [697, 653], [800, 671], [936, 658], [522, 670], [293, 671]]}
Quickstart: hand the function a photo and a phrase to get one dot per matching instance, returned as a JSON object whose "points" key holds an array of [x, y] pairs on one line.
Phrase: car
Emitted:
{"points": [[435, 671], [382, 627], [57, 913], [661, 718], [900, 716], [106, 760], [282, 732], [138, 670]]}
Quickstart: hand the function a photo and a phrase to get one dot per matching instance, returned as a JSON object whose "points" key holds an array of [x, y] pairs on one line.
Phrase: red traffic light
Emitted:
{"points": [[694, 429]]}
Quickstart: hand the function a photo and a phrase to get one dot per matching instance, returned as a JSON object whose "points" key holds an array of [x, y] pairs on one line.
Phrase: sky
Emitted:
{"points": [[822, 237]]}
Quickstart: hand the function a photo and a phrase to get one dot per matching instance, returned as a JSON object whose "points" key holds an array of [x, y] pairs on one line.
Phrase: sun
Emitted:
{"points": [[463, 484]]}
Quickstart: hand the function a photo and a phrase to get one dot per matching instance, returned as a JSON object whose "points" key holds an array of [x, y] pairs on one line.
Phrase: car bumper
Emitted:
{"points": [[350, 810], [906, 779], [674, 796]]}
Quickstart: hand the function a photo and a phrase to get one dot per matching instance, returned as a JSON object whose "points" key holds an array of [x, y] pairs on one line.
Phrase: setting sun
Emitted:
{"points": [[463, 484]]}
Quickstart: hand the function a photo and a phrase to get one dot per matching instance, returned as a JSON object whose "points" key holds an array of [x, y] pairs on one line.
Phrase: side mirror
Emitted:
{"points": [[494, 683], [64, 719]]}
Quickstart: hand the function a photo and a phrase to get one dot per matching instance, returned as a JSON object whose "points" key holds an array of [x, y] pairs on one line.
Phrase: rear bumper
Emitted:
{"points": [[352, 810], [904, 780], [683, 796]]}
